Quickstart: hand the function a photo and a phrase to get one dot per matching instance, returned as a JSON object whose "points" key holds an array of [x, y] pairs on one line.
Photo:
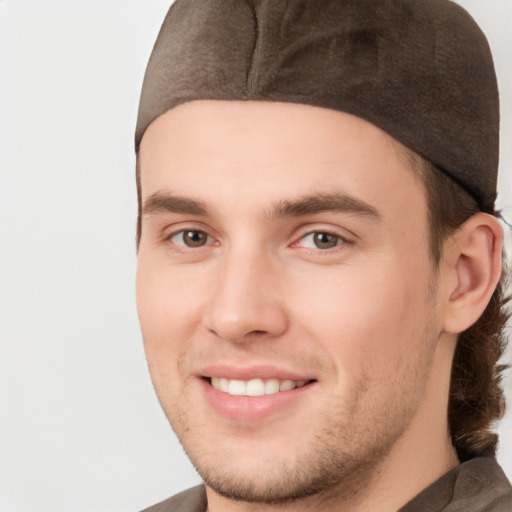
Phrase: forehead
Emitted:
{"points": [[265, 151]]}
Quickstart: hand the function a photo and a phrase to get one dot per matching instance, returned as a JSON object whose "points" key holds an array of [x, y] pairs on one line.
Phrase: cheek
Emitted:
{"points": [[168, 310], [167, 318], [366, 317]]}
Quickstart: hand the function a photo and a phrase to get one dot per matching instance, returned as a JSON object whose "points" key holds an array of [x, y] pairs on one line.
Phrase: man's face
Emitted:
{"points": [[284, 245]]}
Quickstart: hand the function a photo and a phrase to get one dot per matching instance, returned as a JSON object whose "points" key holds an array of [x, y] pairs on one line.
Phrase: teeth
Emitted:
{"points": [[224, 385], [255, 387], [286, 385], [271, 386], [237, 387]]}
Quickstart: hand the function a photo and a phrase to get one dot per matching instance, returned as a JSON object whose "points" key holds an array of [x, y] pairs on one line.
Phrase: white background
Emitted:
{"points": [[80, 427]]}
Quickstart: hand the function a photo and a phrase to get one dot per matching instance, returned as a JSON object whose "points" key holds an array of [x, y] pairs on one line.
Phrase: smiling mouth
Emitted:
{"points": [[255, 387]]}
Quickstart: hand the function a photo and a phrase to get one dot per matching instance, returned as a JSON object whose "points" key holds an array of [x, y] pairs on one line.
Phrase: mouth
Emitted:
{"points": [[255, 387], [256, 393], [246, 395]]}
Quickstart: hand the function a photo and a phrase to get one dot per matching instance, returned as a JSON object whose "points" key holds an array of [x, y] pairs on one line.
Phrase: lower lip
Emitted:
{"points": [[252, 408]]}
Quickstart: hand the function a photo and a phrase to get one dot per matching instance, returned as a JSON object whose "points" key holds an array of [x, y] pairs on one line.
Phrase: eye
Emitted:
{"points": [[192, 238], [321, 240]]}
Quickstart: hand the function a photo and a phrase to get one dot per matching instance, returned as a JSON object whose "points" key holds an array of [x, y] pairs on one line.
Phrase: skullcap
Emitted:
{"points": [[421, 70]]}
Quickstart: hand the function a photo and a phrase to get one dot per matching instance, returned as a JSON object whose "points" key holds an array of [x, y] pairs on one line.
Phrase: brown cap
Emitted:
{"points": [[421, 70]]}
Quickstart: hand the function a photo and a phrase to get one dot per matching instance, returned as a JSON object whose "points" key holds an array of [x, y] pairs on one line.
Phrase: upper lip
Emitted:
{"points": [[261, 371]]}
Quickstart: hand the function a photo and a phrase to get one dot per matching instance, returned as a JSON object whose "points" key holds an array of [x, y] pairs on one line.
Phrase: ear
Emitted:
{"points": [[473, 257]]}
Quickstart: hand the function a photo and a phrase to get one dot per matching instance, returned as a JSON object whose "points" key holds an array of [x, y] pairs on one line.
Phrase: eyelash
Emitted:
{"points": [[341, 244], [182, 247]]}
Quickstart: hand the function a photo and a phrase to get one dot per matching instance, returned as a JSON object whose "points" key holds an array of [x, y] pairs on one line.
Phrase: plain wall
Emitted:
{"points": [[80, 427]]}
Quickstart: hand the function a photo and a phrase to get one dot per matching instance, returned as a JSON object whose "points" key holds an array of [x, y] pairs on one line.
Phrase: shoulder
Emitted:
{"points": [[478, 485], [485, 484], [191, 500]]}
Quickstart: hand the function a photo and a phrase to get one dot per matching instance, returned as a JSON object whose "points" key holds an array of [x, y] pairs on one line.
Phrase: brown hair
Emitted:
{"points": [[476, 399]]}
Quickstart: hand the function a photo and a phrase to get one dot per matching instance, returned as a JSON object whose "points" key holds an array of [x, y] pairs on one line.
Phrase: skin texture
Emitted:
{"points": [[369, 320]]}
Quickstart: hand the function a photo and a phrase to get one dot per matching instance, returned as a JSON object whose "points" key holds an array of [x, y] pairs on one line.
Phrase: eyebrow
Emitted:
{"points": [[161, 202], [164, 202], [317, 203]]}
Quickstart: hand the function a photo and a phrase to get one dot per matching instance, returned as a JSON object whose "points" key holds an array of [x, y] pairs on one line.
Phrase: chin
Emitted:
{"points": [[321, 463]]}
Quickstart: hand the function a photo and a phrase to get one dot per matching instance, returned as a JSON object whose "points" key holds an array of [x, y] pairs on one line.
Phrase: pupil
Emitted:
{"points": [[194, 238], [325, 240]]}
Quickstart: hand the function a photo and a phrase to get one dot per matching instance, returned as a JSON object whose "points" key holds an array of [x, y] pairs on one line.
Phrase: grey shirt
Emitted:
{"points": [[478, 485]]}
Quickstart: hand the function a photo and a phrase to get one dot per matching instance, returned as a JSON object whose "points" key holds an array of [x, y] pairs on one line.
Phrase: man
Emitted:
{"points": [[319, 256]]}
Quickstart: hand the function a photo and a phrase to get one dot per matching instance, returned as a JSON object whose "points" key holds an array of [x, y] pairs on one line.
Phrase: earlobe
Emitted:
{"points": [[474, 257]]}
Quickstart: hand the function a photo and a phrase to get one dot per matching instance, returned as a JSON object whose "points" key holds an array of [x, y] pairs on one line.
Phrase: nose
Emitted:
{"points": [[245, 303]]}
